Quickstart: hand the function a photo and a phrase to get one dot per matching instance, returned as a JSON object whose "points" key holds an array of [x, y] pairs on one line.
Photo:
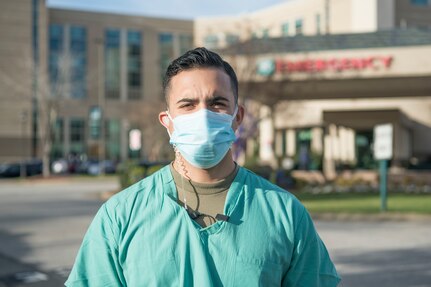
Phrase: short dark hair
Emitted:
{"points": [[195, 59]]}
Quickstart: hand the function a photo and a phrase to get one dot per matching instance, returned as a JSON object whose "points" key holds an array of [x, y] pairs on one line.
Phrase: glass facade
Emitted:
{"points": [[285, 29], [134, 54], [232, 39], [303, 149], [35, 31], [211, 41], [68, 65], [78, 65], [166, 47], [419, 2], [112, 63], [57, 136], [56, 52], [112, 139], [135, 143], [299, 25], [77, 135], [364, 152], [186, 43], [95, 122]]}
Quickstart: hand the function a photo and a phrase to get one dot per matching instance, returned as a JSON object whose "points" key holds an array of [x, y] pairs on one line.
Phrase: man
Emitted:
{"points": [[203, 220]]}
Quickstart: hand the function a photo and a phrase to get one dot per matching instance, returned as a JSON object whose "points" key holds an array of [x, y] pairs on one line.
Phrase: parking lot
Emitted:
{"points": [[42, 224]]}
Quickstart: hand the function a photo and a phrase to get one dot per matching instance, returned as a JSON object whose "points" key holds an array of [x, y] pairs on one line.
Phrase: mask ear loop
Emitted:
{"points": [[179, 161], [170, 118], [181, 166], [235, 112]]}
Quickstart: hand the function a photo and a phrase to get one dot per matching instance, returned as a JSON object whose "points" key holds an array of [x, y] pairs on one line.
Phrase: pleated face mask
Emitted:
{"points": [[204, 137]]}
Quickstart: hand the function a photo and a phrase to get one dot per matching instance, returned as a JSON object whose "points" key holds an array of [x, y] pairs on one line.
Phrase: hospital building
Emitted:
{"points": [[316, 76]]}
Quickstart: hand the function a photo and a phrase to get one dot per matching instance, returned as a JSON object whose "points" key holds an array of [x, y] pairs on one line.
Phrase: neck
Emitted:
{"points": [[213, 174]]}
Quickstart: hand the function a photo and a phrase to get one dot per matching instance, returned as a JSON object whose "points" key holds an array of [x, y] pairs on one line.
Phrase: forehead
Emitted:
{"points": [[200, 83]]}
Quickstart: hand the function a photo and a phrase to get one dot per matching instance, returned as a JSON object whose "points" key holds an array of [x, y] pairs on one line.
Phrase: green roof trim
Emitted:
{"points": [[301, 43]]}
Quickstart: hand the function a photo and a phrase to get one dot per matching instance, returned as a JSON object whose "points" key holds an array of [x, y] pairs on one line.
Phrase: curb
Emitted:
{"points": [[377, 217]]}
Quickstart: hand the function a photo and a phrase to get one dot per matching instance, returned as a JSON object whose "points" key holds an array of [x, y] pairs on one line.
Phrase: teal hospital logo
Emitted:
{"points": [[266, 67]]}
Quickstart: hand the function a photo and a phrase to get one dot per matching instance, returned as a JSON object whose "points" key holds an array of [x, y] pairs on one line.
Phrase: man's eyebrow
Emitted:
{"points": [[218, 98], [186, 100]]}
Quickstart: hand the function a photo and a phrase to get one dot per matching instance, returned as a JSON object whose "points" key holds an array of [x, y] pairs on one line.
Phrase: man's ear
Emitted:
{"points": [[164, 119], [239, 117]]}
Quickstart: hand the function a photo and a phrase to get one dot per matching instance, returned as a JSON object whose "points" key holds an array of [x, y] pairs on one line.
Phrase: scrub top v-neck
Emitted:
{"points": [[142, 237], [204, 201]]}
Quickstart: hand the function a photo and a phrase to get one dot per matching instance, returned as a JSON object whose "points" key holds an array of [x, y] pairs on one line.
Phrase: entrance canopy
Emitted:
{"points": [[365, 119]]}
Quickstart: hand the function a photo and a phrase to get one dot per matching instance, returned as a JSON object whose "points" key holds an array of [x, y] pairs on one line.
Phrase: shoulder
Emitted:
{"points": [[265, 192], [141, 193]]}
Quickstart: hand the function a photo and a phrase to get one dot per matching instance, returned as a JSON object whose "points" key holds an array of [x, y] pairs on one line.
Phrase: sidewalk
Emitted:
{"points": [[16, 274]]}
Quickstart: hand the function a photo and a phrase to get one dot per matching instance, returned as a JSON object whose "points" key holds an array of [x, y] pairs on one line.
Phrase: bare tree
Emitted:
{"points": [[156, 140], [50, 88]]}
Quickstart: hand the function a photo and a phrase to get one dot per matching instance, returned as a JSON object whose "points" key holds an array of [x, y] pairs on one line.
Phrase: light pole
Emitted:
{"points": [[23, 146], [101, 104]]}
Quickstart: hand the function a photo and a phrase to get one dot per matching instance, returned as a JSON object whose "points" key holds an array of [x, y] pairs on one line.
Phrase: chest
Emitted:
{"points": [[169, 249]]}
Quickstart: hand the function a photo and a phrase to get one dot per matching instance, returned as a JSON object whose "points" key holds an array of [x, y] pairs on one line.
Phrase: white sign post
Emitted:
{"points": [[383, 142]]}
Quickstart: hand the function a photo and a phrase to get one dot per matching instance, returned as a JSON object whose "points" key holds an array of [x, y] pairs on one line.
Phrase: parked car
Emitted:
{"points": [[10, 170], [32, 167], [94, 167]]}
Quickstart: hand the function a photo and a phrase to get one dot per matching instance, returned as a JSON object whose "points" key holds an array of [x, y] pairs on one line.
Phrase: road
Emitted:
{"points": [[380, 253], [42, 224]]}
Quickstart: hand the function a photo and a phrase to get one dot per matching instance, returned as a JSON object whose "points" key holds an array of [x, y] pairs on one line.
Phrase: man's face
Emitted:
{"points": [[206, 88]]}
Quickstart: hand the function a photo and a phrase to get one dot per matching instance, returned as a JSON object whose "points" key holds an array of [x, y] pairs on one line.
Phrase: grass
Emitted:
{"points": [[366, 202]]}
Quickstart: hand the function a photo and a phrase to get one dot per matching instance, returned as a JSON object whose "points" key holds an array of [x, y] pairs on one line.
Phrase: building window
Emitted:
{"points": [[265, 33], [68, 61], [35, 26], [166, 44], [186, 43], [112, 135], [77, 135], [135, 143], [56, 55], [78, 62], [318, 24], [95, 122], [134, 54], [57, 136], [419, 2], [303, 149], [112, 63], [364, 153], [231, 39], [211, 41], [285, 29], [299, 26]]}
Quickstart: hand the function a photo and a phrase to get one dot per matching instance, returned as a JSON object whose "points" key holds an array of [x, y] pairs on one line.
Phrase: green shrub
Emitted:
{"points": [[152, 169], [131, 172]]}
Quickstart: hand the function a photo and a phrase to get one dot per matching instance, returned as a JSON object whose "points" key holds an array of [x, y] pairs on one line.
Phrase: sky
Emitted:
{"points": [[183, 9]]}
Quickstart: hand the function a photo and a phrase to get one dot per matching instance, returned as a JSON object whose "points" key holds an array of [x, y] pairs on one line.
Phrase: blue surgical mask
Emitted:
{"points": [[204, 137]]}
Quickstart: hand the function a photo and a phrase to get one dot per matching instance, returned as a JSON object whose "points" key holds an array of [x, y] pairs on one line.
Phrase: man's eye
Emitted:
{"points": [[188, 105], [219, 104]]}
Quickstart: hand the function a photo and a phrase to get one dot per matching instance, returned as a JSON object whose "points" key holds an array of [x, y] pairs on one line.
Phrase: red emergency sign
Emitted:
{"points": [[333, 64]]}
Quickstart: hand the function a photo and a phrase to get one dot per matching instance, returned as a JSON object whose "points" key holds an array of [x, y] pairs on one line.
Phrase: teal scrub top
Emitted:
{"points": [[142, 237]]}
